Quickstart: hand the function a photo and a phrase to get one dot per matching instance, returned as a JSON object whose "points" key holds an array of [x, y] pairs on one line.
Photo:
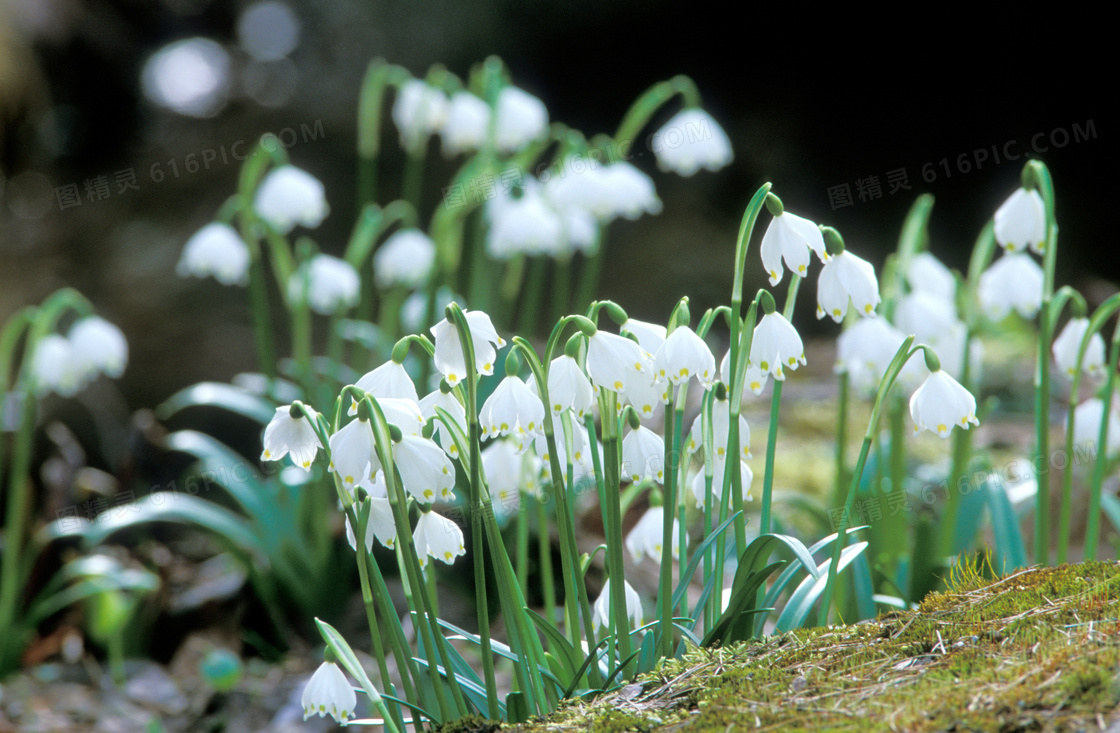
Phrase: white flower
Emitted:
{"points": [[630, 192], [926, 315], [700, 486], [526, 224], [691, 140], [512, 409], [941, 403], [451, 405], [645, 394], [388, 380], [776, 345], [582, 463], [1014, 281], [790, 237], [846, 275], [353, 454], [405, 259], [468, 119], [437, 537], [426, 471], [331, 284], [926, 274], [449, 358], [650, 335], [216, 249], [380, 524], [754, 379], [53, 368], [521, 118], [614, 362], [685, 355], [1020, 222], [865, 349], [1087, 425], [328, 692], [419, 110], [568, 387], [98, 346], [646, 537], [505, 471], [643, 455], [402, 412], [1068, 344], [601, 612], [288, 196], [287, 435], [721, 423]]}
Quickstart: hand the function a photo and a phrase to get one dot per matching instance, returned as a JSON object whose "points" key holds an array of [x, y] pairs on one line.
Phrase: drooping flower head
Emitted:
{"points": [[846, 276], [419, 111], [53, 368], [776, 345], [286, 435], [1020, 222], [647, 536], [521, 119], [1068, 343], [684, 355], [926, 274], [691, 140], [330, 284], [865, 349], [790, 238], [614, 362], [941, 403], [601, 610], [98, 346], [216, 249], [465, 128], [512, 409], [328, 691], [289, 196], [405, 259], [643, 454], [1014, 282], [438, 537], [449, 358]]}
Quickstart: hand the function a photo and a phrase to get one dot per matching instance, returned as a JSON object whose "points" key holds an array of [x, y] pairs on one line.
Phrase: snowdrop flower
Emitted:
{"points": [[53, 368], [926, 315], [331, 284], [685, 355], [755, 379], [691, 140], [700, 486], [776, 345], [1087, 425], [388, 380], [426, 471], [926, 274], [447, 401], [405, 259], [402, 412], [1068, 343], [580, 456], [98, 346], [521, 118], [524, 225], [512, 409], [614, 362], [468, 119], [568, 387], [216, 249], [790, 237], [643, 455], [449, 358], [646, 537], [940, 404], [847, 276], [865, 349], [504, 468], [288, 196], [328, 692], [353, 454], [1020, 222], [721, 423], [1014, 281], [438, 537], [650, 335], [646, 395], [287, 435], [601, 612], [631, 192], [380, 523], [419, 110]]}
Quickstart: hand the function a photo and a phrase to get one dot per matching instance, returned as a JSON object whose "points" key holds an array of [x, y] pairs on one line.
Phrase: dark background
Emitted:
{"points": [[810, 102]]}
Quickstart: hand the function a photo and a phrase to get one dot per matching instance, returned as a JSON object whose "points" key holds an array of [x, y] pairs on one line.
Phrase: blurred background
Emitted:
{"points": [[109, 108]]}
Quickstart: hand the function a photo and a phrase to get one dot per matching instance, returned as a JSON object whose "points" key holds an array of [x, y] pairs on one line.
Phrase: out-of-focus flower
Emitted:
{"points": [[1013, 282], [405, 259], [289, 196], [98, 346], [646, 537], [465, 129], [1087, 425], [53, 367], [331, 285], [1068, 344], [691, 140], [926, 274], [601, 612], [216, 249], [1020, 222], [719, 466], [865, 349], [521, 118], [419, 111]]}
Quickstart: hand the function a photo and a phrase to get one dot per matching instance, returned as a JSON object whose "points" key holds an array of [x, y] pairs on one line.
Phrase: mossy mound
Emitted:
{"points": [[1036, 650]]}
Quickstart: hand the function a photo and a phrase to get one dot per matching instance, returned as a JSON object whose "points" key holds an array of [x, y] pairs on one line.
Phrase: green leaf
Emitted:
{"points": [[565, 654], [801, 603], [696, 559], [346, 656], [517, 709], [216, 394], [737, 622]]}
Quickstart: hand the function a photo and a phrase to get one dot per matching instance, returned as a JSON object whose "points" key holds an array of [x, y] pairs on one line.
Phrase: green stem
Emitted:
{"points": [[523, 551], [1041, 175], [665, 584], [612, 523], [1093, 525], [544, 548]]}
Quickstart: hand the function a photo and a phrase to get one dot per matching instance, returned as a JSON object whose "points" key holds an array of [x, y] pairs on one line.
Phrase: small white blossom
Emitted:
{"points": [[512, 409], [1013, 282], [776, 345], [452, 406], [405, 259], [331, 284], [847, 276], [468, 119], [216, 249], [719, 466], [388, 380], [98, 346], [942, 403], [643, 455], [404, 413], [54, 369], [1087, 425], [289, 196], [508, 473], [646, 395], [601, 611], [691, 140], [754, 379], [521, 119], [568, 387], [580, 458], [721, 423], [865, 349], [650, 335], [426, 471], [419, 110], [926, 315], [614, 362], [926, 274], [449, 358], [286, 435], [685, 355], [526, 224], [328, 692], [1068, 343], [790, 237], [353, 454], [1020, 222], [380, 523], [438, 537], [646, 537]]}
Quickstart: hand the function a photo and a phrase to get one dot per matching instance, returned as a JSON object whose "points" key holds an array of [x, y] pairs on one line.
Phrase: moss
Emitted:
{"points": [[1036, 650]]}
